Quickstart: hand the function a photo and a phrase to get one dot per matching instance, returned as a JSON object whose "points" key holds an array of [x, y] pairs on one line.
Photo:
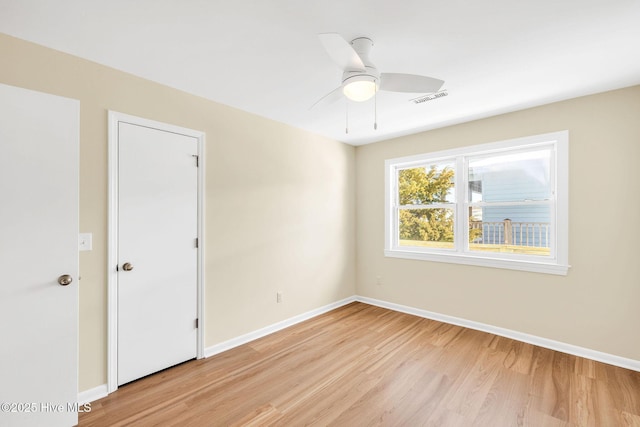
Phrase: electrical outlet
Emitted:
{"points": [[278, 297], [378, 280]]}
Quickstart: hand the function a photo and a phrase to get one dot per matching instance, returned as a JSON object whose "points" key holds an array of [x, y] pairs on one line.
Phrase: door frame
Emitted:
{"points": [[114, 118]]}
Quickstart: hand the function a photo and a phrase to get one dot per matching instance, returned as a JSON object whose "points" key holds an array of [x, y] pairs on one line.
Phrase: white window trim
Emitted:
{"points": [[556, 263]]}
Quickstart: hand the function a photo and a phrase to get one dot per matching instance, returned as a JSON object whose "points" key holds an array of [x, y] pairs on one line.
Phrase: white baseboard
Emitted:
{"points": [[508, 333], [92, 394], [243, 339]]}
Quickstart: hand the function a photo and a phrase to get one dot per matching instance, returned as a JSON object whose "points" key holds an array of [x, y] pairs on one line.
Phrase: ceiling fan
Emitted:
{"points": [[361, 79]]}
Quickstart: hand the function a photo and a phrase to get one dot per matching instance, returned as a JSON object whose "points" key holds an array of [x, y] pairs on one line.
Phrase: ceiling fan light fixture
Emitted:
{"points": [[360, 90]]}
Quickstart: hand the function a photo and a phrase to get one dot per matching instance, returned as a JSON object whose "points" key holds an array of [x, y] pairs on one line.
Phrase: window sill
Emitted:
{"points": [[532, 266]]}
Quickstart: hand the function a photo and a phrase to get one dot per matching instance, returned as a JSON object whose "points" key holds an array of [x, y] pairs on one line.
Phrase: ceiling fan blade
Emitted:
{"points": [[398, 82], [341, 52], [330, 98]]}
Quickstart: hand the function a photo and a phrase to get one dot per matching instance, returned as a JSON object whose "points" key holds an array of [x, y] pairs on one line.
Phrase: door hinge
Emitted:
{"points": [[197, 243], [197, 323], [197, 159]]}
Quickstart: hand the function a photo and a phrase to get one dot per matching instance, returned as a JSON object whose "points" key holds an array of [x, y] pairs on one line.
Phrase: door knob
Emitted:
{"points": [[65, 279], [127, 266]]}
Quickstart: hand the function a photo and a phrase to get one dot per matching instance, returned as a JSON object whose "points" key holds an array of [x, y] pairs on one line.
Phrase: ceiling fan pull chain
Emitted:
{"points": [[375, 111], [346, 119]]}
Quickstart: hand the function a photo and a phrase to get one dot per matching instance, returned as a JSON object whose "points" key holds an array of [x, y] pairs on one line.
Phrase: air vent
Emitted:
{"points": [[430, 97]]}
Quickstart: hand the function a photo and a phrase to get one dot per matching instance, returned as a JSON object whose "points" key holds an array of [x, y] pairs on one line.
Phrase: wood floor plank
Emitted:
{"points": [[361, 365], [631, 420], [506, 400]]}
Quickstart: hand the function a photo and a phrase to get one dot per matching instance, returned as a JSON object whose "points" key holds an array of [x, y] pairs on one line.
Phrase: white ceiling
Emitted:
{"points": [[264, 57]]}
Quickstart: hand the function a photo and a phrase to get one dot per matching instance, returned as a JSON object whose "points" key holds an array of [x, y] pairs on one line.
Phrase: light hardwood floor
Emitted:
{"points": [[361, 365]]}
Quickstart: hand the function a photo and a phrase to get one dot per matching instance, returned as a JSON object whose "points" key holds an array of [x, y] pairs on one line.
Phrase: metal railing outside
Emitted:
{"points": [[507, 232]]}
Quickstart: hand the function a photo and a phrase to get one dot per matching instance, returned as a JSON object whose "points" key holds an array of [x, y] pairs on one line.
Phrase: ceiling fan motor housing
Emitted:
{"points": [[362, 46]]}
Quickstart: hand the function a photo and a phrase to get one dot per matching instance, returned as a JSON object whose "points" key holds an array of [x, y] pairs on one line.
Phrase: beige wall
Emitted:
{"points": [[279, 201], [596, 304]]}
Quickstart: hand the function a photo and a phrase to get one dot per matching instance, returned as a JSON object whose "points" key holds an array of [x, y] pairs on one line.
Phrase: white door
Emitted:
{"points": [[157, 253], [38, 244]]}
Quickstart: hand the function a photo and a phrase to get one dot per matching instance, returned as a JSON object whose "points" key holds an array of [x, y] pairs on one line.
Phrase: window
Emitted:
{"points": [[502, 205]]}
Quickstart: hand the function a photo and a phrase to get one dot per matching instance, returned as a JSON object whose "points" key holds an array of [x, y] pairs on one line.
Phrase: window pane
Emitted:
{"points": [[513, 177], [431, 228], [520, 229], [426, 184]]}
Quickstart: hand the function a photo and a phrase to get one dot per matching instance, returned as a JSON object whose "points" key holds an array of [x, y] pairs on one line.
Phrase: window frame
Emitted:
{"points": [[555, 263]]}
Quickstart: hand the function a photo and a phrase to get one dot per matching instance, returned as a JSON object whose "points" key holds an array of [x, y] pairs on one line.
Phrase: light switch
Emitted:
{"points": [[85, 241]]}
